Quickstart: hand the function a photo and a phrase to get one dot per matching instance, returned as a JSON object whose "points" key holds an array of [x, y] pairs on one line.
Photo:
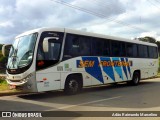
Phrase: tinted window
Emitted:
{"points": [[100, 47], [129, 50], [140, 51], [77, 45], [106, 48], [143, 52], [151, 51], [135, 52], [155, 52], [118, 48], [85, 46]]}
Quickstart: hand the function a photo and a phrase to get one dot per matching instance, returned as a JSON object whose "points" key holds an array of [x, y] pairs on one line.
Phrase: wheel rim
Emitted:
{"points": [[73, 85], [136, 79]]}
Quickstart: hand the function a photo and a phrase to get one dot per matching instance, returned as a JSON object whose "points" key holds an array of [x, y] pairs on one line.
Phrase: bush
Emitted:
{"points": [[3, 60], [3, 81], [159, 65]]}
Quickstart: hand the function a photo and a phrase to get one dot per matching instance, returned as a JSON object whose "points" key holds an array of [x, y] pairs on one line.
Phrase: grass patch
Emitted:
{"points": [[3, 85], [158, 75]]}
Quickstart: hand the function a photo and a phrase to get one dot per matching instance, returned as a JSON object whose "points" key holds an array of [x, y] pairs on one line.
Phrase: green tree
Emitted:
{"points": [[1, 46], [148, 39], [3, 61], [1, 50], [158, 44]]}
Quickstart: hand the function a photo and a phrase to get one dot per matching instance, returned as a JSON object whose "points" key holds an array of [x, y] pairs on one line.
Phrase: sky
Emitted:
{"points": [[122, 18]]}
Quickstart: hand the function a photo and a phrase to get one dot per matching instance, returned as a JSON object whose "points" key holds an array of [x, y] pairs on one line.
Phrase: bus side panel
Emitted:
{"points": [[148, 67], [71, 67], [48, 79], [116, 69], [153, 67], [94, 72]]}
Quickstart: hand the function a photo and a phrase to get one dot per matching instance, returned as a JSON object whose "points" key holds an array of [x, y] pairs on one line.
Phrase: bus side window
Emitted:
{"points": [[142, 50], [155, 51], [135, 50], [150, 50], [72, 46], [122, 49], [118, 49], [76, 45], [74, 49], [85, 46], [106, 48], [97, 47], [131, 50], [100, 47], [145, 51], [115, 48]]}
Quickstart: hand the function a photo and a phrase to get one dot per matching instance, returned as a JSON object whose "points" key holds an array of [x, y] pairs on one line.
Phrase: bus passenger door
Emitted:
{"points": [[48, 56]]}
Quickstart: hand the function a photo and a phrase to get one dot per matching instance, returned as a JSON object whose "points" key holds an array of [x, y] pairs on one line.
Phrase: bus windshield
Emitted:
{"points": [[21, 53]]}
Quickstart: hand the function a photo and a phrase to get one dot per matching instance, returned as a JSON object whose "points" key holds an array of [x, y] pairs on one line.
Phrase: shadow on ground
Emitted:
{"points": [[145, 95]]}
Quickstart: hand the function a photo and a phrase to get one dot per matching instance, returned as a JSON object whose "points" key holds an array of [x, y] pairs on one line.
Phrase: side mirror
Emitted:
{"points": [[6, 49], [46, 43]]}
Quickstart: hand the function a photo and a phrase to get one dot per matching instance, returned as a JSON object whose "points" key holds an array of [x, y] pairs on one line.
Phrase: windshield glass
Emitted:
{"points": [[21, 52]]}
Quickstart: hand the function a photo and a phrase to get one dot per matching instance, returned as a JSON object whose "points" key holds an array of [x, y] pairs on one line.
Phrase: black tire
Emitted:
{"points": [[72, 86], [135, 80]]}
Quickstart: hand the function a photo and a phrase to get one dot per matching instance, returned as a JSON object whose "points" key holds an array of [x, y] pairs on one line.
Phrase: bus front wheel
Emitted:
{"points": [[72, 86]]}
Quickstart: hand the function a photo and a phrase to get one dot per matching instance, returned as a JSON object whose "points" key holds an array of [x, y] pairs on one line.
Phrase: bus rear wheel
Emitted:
{"points": [[135, 80], [72, 86]]}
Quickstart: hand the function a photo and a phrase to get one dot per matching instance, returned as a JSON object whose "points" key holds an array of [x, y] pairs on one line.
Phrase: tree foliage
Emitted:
{"points": [[1, 46], [148, 39], [3, 60]]}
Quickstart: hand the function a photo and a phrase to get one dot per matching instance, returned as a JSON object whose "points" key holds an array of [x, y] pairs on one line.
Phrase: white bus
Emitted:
{"points": [[49, 59]]}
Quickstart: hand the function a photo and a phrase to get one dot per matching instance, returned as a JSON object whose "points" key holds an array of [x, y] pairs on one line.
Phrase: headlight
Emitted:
{"points": [[27, 78]]}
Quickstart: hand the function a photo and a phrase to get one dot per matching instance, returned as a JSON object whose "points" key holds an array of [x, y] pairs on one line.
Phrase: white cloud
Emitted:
{"points": [[6, 24], [151, 34], [117, 17]]}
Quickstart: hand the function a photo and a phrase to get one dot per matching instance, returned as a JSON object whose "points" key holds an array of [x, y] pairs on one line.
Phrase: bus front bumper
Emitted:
{"points": [[25, 85]]}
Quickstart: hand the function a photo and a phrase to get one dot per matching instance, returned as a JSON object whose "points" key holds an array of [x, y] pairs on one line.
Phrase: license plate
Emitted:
{"points": [[12, 87]]}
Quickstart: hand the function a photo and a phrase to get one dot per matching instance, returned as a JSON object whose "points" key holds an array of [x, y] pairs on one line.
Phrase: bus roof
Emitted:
{"points": [[79, 32]]}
